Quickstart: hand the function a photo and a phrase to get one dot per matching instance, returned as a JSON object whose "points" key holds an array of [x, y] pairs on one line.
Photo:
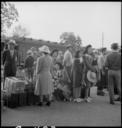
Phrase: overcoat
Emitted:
{"points": [[78, 71], [10, 63], [44, 85]]}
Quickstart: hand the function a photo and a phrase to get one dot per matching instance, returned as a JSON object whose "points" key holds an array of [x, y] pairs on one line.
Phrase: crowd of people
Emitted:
{"points": [[67, 77]]}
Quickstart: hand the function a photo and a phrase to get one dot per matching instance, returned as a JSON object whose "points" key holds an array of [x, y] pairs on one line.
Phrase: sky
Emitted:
{"points": [[48, 20]]}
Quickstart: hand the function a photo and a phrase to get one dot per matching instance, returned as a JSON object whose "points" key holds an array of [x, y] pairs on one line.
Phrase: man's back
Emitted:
{"points": [[113, 61]]}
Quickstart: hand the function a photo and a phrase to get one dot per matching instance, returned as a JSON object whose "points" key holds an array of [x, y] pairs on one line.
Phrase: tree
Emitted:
{"points": [[70, 38], [20, 31], [9, 15], [79, 41]]}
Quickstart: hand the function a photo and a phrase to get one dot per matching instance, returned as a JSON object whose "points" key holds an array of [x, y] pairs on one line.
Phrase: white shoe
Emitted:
{"points": [[87, 100], [70, 99], [75, 100], [79, 100], [90, 98]]}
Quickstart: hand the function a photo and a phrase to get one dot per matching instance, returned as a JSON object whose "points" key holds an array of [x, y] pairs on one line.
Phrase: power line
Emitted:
{"points": [[102, 39]]}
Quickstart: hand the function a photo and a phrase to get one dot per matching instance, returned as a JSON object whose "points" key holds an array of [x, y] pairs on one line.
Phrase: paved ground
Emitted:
{"points": [[97, 113]]}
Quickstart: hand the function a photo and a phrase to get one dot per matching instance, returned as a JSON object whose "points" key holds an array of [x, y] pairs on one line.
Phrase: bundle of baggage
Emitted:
{"points": [[21, 96]]}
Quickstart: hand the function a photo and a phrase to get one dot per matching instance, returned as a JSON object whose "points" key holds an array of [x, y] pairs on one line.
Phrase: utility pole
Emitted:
{"points": [[102, 39]]}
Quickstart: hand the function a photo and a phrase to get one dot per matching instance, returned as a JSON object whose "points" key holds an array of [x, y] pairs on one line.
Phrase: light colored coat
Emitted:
{"points": [[68, 59], [101, 61], [44, 85]]}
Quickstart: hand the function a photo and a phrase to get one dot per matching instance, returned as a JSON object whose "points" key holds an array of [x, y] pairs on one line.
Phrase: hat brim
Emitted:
{"points": [[29, 52], [92, 80], [11, 43], [45, 51], [68, 46]]}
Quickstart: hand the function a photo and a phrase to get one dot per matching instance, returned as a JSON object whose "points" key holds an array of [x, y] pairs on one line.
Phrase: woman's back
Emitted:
{"points": [[45, 63]]}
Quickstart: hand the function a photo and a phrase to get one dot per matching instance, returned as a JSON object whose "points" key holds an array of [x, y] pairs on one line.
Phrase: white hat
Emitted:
{"points": [[40, 49], [91, 76], [45, 49], [29, 52], [12, 42], [95, 51]]}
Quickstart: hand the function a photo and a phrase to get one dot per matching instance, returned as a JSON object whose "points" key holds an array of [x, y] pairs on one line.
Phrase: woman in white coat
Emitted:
{"points": [[44, 85]]}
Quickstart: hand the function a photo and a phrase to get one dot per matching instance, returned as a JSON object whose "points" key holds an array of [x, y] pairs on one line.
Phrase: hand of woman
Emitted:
{"points": [[83, 83]]}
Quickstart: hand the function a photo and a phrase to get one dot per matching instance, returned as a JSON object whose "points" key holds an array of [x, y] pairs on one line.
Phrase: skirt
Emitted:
{"points": [[76, 92]]}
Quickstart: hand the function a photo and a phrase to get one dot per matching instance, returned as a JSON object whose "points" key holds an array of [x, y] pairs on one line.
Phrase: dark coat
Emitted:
{"points": [[88, 62], [77, 72], [29, 66], [29, 62], [10, 63]]}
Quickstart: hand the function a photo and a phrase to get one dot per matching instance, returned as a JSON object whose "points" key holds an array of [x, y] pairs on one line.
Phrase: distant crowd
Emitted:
{"points": [[66, 77]]}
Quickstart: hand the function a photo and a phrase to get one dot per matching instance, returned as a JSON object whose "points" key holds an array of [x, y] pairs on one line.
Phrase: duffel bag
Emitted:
{"points": [[12, 100]]}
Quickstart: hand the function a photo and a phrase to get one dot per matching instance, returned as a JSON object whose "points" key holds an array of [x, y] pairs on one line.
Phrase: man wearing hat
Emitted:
{"points": [[113, 64], [10, 60]]}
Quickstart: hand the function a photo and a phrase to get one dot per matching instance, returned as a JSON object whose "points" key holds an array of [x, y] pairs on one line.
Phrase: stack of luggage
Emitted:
{"points": [[21, 97]]}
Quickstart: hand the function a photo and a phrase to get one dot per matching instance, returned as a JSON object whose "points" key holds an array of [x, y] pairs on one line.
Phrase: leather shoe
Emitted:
{"points": [[48, 103], [40, 104], [111, 102]]}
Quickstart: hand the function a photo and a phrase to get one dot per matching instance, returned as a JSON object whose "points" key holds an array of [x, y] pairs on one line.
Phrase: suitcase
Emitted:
{"points": [[30, 98], [29, 93], [12, 101], [22, 99]]}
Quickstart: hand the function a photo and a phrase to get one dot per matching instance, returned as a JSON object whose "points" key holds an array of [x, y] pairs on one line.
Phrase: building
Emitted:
{"points": [[24, 44]]}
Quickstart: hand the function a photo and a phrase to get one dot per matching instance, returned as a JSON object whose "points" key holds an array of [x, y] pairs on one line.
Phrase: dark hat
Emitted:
{"points": [[115, 46], [103, 49], [88, 46], [86, 49]]}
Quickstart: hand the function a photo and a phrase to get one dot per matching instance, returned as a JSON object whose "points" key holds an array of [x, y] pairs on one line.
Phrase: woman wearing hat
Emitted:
{"points": [[89, 67], [78, 72], [44, 79], [10, 60]]}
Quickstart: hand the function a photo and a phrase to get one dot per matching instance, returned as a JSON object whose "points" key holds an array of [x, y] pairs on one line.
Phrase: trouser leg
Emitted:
{"points": [[118, 82], [111, 86], [87, 90]]}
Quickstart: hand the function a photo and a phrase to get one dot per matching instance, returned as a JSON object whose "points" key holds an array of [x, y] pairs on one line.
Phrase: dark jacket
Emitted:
{"points": [[10, 63], [77, 72], [89, 63], [113, 61], [29, 62]]}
